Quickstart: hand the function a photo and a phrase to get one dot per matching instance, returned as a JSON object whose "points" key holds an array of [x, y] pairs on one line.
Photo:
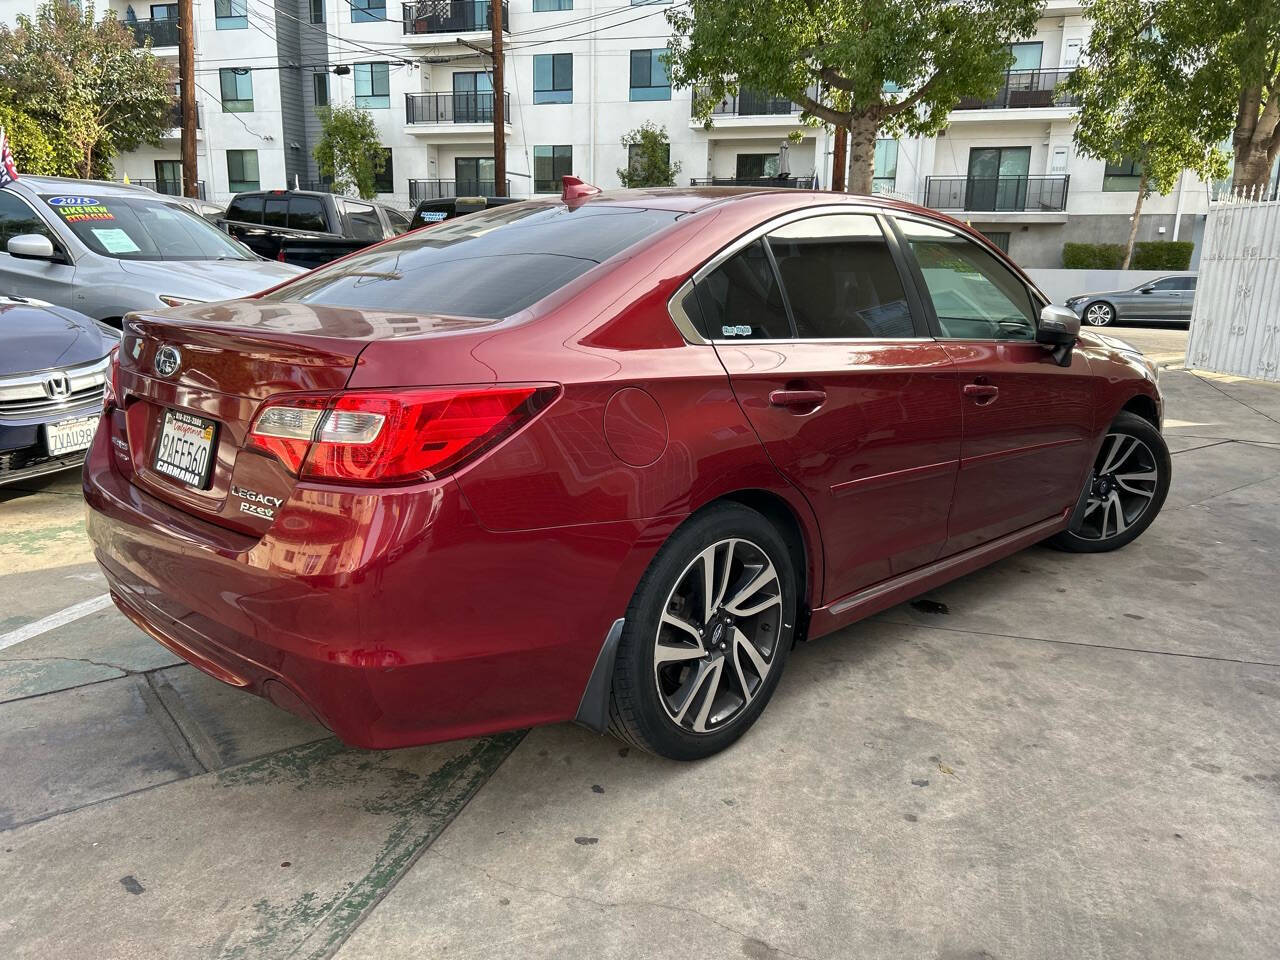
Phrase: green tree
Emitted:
{"points": [[349, 152], [1132, 109], [868, 65], [83, 81], [1220, 59], [648, 157]]}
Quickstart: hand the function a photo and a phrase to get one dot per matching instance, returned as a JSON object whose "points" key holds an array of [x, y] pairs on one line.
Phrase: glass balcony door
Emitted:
{"points": [[997, 178]]}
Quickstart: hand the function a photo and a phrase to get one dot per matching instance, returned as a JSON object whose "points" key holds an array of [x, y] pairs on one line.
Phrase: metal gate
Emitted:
{"points": [[1235, 322]]}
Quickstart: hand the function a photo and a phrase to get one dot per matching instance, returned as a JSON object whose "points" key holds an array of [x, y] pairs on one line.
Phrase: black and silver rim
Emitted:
{"points": [[1124, 482], [1098, 314], [718, 636]]}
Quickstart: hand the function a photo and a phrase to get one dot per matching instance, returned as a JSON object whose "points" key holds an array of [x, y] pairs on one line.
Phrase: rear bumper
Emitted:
{"points": [[394, 619]]}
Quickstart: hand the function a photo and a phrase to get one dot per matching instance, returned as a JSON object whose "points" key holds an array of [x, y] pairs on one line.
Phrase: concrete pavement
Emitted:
{"points": [[1058, 756]]}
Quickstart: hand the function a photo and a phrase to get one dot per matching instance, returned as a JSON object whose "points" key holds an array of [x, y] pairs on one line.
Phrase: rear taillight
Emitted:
{"points": [[111, 386], [391, 436]]}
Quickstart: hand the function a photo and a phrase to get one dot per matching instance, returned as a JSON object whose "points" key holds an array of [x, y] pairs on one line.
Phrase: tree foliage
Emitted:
{"points": [[649, 164], [867, 65], [82, 81], [1137, 103], [1218, 61], [349, 152]]}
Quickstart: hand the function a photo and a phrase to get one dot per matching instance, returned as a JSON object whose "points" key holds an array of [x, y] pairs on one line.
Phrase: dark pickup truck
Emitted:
{"points": [[308, 228]]}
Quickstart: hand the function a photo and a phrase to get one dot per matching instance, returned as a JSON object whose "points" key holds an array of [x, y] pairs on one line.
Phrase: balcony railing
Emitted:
{"points": [[172, 188], [751, 103], [797, 183], [443, 189], [1039, 194], [458, 16], [453, 107], [1023, 89], [161, 33]]}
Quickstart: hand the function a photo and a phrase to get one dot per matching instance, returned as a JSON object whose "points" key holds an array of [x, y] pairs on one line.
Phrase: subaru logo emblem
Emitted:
{"points": [[167, 360], [57, 386]]}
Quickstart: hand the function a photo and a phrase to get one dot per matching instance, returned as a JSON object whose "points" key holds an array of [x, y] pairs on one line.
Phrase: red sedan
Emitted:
{"points": [[603, 458]]}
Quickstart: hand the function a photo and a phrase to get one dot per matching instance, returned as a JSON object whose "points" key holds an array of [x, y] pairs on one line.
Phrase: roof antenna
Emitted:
{"points": [[576, 191]]}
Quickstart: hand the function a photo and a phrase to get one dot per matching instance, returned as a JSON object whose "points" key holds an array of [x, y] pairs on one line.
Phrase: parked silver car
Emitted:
{"points": [[107, 248], [1165, 299]]}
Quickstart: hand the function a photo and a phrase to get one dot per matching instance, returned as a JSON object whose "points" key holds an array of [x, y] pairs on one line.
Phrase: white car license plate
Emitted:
{"points": [[68, 436], [185, 451]]}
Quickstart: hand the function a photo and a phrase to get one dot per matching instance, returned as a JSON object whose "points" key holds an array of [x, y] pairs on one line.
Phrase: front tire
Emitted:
{"points": [[1127, 487], [1099, 314], [707, 634]]}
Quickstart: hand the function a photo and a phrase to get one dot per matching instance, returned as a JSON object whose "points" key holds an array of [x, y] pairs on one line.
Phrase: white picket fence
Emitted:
{"points": [[1235, 322]]}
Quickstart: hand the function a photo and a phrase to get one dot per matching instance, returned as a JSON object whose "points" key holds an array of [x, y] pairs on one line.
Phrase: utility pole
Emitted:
{"points": [[187, 91], [840, 160], [499, 118]]}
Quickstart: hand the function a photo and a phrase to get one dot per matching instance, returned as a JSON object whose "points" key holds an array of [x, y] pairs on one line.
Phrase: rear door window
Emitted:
{"points": [[742, 300], [840, 278], [974, 295], [491, 264], [307, 213], [363, 222], [399, 222], [246, 208]]}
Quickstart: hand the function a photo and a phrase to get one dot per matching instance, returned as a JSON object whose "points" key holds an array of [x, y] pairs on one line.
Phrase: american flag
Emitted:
{"points": [[8, 169]]}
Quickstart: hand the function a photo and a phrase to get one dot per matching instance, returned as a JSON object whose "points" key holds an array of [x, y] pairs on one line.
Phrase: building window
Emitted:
{"points": [[1026, 56], [317, 11], [550, 164], [649, 79], [169, 177], [553, 78], [635, 156], [885, 174], [755, 166], [242, 170], [237, 89], [999, 237], [231, 14], [368, 11], [385, 182], [545, 6], [320, 88], [373, 86], [473, 176], [1125, 175]]}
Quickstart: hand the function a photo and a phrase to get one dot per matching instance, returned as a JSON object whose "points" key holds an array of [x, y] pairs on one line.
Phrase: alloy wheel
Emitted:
{"points": [[1098, 314], [1124, 482], [718, 636]]}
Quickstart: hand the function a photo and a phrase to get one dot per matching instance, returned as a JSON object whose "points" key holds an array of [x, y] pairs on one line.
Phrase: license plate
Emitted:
{"points": [[185, 451], [69, 436]]}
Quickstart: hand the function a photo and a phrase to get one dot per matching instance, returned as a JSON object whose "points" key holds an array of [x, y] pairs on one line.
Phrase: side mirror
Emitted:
{"points": [[31, 246], [1058, 329], [1147, 290]]}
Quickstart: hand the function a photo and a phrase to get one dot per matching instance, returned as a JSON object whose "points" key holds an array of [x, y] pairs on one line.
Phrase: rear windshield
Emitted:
{"points": [[490, 264], [137, 228]]}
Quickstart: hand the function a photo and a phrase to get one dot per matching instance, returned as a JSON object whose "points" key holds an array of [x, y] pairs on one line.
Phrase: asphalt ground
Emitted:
{"points": [[1058, 756]]}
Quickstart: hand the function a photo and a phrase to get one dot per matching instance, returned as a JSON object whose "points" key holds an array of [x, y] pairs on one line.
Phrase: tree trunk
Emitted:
{"points": [[839, 159], [1133, 230], [862, 154], [1252, 169], [1256, 141]]}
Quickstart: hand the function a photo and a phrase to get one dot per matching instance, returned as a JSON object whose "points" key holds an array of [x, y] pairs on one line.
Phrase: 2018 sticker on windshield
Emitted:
{"points": [[79, 209], [115, 240]]}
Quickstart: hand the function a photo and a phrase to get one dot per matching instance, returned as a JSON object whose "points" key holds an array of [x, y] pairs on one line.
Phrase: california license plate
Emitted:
{"points": [[185, 451], [68, 436]]}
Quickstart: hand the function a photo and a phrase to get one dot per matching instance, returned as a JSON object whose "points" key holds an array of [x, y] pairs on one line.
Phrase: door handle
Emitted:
{"points": [[982, 392], [797, 398]]}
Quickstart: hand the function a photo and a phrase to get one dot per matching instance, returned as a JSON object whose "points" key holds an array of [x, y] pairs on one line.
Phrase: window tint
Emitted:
{"points": [[840, 278], [1172, 283], [363, 222], [246, 209], [276, 212], [16, 218], [741, 299], [523, 252], [399, 222], [307, 213], [974, 295]]}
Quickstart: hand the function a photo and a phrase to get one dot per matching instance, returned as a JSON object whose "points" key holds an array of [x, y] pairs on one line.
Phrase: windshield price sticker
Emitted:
{"points": [[78, 209]]}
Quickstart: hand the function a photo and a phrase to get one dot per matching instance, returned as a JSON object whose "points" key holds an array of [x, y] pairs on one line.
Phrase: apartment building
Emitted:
{"points": [[579, 74]]}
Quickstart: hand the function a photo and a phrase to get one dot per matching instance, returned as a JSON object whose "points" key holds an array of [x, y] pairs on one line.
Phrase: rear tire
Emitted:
{"points": [[1127, 487], [1099, 314], [706, 637]]}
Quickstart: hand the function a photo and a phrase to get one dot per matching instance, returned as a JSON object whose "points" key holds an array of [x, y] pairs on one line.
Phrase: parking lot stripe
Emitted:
{"points": [[54, 620]]}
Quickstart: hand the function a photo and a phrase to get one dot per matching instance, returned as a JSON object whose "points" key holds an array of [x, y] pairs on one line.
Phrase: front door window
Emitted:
{"points": [[997, 178]]}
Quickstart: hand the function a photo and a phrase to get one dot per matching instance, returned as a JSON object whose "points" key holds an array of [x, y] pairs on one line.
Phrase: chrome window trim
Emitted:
{"points": [[675, 305], [30, 386]]}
